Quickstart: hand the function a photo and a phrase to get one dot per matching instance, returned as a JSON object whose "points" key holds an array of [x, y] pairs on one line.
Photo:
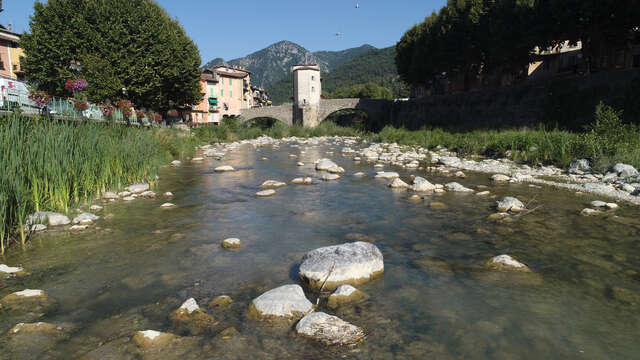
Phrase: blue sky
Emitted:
{"points": [[231, 29]]}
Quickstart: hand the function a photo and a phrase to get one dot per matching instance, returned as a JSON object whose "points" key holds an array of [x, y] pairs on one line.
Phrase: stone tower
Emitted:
{"points": [[307, 89]]}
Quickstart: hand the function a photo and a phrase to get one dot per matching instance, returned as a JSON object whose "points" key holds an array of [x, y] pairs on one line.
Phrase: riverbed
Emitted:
{"points": [[435, 299]]}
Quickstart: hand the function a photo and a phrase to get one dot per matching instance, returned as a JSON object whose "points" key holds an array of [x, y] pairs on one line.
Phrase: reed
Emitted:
{"points": [[52, 165]]}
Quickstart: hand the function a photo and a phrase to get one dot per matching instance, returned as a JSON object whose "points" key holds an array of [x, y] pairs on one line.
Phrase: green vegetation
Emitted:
{"points": [[605, 142], [51, 165], [120, 44], [375, 66], [492, 40], [369, 90]]}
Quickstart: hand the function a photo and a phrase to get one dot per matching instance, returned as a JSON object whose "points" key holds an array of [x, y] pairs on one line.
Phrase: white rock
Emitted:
{"points": [[335, 170], [48, 217], [329, 330], [38, 227], [302, 181], [189, 306], [483, 193], [387, 175], [460, 174], [79, 227], [287, 301], [29, 293], [148, 193], [110, 196], [598, 204], [378, 166], [500, 178], [421, 184], [167, 205], [300, 163], [138, 188], [347, 263], [197, 159], [455, 187], [124, 193], [359, 174], [589, 212], [168, 194], [625, 171], [95, 208], [150, 334], [510, 204], [224, 168], [449, 160], [129, 198], [231, 243], [265, 193], [272, 184], [398, 184], [612, 206], [325, 164], [176, 163], [85, 218], [507, 262], [330, 177], [9, 270]]}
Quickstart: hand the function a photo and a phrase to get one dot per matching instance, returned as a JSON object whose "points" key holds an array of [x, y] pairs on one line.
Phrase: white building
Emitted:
{"points": [[307, 89]]}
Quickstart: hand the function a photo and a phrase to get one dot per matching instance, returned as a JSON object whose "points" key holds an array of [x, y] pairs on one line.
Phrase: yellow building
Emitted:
{"points": [[10, 54]]}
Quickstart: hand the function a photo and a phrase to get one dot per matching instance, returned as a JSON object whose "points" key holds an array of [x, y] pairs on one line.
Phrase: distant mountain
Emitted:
{"points": [[377, 66], [274, 62]]}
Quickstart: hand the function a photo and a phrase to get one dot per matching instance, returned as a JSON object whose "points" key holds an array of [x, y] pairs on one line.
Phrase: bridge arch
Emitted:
{"points": [[282, 113]]}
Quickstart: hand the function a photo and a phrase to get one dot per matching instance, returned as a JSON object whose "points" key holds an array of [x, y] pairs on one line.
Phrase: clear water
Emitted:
{"points": [[433, 301]]}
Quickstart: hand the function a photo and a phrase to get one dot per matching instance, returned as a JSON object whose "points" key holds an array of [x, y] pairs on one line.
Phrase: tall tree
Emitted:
{"points": [[121, 44]]}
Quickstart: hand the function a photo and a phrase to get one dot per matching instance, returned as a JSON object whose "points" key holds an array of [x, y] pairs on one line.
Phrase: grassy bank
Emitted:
{"points": [[49, 165], [605, 142]]}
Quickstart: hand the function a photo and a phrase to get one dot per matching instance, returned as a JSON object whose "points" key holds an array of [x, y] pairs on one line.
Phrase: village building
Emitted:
{"points": [[307, 91], [10, 53]]}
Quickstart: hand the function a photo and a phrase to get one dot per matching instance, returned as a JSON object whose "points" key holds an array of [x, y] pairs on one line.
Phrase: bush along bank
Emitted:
{"points": [[51, 165]]}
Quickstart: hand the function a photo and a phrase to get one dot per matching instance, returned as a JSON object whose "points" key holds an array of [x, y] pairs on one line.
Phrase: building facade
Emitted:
{"points": [[307, 89], [10, 54]]}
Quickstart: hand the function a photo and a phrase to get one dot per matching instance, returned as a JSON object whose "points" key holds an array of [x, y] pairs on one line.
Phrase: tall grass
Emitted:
{"points": [[49, 165]]}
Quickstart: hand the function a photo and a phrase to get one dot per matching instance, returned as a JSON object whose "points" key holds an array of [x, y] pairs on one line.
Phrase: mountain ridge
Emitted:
{"points": [[273, 63]]}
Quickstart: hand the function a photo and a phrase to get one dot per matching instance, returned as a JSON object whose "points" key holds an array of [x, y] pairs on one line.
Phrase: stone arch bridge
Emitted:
{"points": [[376, 109]]}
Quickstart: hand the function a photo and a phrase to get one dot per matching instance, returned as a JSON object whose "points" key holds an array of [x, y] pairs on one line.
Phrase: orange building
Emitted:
{"points": [[225, 91]]}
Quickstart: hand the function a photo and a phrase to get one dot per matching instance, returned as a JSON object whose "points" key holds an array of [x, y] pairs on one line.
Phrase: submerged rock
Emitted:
{"points": [[85, 218], [344, 295], [266, 193], [231, 243], [151, 338], [28, 301], [510, 204], [138, 188], [95, 208], [224, 168], [286, 302], [31, 340], [167, 205], [272, 184], [589, 212], [48, 218], [329, 330], [506, 262], [350, 263], [220, 301], [359, 174], [190, 319]]}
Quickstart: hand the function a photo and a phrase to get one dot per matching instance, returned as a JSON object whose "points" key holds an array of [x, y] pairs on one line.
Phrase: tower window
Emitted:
{"points": [[313, 89]]}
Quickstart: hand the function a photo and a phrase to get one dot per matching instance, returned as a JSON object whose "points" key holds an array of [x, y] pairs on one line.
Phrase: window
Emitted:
{"points": [[221, 93], [313, 89], [211, 92], [230, 81], [313, 78], [230, 93]]}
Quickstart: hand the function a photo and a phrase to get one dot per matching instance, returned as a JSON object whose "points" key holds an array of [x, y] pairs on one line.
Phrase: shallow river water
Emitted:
{"points": [[434, 301]]}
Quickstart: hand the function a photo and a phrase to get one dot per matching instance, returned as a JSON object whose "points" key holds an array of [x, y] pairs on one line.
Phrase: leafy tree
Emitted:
{"points": [[120, 44], [369, 90]]}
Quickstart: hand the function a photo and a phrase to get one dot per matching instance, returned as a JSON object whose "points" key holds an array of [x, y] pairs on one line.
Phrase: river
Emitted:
{"points": [[435, 299]]}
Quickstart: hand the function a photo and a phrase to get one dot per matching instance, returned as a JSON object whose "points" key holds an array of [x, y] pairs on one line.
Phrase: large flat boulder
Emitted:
{"points": [[329, 330], [350, 263], [284, 302], [138, 188]]}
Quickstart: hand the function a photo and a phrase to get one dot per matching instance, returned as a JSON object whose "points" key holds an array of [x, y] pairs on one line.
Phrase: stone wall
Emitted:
{"points": [[283, 113]]}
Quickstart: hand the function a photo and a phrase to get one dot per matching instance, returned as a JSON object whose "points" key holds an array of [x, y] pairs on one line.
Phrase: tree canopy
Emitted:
{"points": [[475, 39], [120, 44]]}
